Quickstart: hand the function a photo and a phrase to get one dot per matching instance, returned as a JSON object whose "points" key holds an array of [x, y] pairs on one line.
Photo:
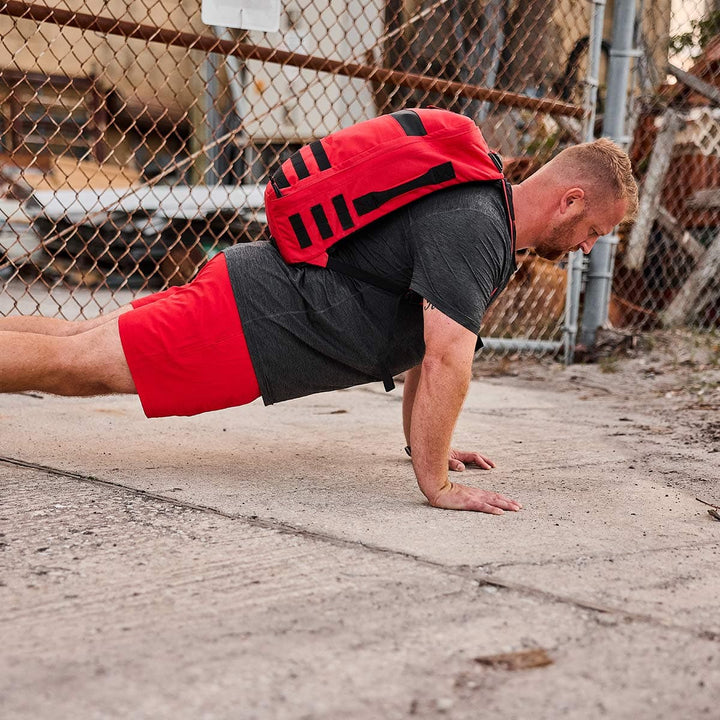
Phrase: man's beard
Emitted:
{"points": [[554, 246]]}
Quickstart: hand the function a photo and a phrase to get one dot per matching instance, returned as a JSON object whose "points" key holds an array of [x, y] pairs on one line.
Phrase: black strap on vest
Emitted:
{"points": [[321, 221], [280, 178], [321, 158], [298, 163], [343, 212], [507, 187], [410, 122], [434, 176], [298, 226], [497, 160]]}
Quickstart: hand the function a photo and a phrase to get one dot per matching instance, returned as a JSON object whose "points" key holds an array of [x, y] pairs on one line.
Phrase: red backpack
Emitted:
{"points": [[334, 186]]}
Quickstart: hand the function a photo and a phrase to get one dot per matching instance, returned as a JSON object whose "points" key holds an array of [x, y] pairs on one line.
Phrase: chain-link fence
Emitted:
{"points": [[136, 141], [668, 264]]}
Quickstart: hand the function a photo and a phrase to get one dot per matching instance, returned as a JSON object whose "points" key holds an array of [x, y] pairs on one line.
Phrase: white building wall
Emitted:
{"points": [[286, 103]]}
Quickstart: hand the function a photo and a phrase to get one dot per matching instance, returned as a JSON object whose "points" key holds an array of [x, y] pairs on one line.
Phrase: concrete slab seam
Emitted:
{"points": [[465, 571], [494, 567]]}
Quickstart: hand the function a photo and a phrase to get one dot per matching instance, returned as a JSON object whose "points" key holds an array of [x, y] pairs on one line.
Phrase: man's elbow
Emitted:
{"points": [[446, 362]]}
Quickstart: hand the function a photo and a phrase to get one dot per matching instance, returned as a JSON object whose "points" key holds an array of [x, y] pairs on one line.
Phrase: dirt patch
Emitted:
{"points": [[669, 378]]}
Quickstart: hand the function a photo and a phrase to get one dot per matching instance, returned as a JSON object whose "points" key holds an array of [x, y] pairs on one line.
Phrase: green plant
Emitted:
{"points": [[608, 365], [700, 33]]}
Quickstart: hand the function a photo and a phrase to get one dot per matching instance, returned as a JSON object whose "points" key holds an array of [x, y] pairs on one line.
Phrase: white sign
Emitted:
{"points": [[246, 14]]}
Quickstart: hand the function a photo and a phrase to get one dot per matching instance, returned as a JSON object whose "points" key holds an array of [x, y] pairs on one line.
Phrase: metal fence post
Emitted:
{"points": [[575, 259], [494, 14], [236, 81], [213, 121], [602, 257]]}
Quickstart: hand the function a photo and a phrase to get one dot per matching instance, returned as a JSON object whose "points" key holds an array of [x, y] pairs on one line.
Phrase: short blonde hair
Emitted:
{"points": [[604, 165]]}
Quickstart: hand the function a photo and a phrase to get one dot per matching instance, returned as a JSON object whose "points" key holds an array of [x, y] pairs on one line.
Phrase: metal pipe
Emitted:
{"points": [[592, 81], [212, 121], [522, 345], [248, 51], [575, 259], [493, 28], [236, 80], [602, 257]]}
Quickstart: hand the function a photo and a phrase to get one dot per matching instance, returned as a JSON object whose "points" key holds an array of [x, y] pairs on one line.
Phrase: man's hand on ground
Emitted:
{"points": [[458, 459], [453, 496]]}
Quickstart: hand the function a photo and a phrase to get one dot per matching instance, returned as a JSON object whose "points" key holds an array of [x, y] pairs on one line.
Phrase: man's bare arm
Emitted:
{"points": [[457, 459], [412, 378], [442, 384]]}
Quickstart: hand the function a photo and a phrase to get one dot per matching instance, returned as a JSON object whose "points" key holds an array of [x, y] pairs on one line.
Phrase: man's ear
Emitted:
{"points": [[573, 202]]}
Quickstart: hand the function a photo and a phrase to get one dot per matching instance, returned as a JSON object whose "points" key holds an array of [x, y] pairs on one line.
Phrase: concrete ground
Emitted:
{"points": [[280, 562]]}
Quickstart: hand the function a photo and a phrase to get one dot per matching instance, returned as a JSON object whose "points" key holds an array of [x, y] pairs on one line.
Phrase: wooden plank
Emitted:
{"points": [[684, 304], [695, 83], [708, 199], [682, 238], [652, 187], [572, 127]]}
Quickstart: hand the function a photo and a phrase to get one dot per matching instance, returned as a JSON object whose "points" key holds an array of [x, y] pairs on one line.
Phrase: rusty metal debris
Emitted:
{"points": [[520, 660], [714, 511]]}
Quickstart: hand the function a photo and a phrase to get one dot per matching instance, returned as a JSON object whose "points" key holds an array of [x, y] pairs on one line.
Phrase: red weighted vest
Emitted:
{"points": [[334, 186]]}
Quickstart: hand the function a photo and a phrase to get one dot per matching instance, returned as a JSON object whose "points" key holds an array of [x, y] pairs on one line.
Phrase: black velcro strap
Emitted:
{"points": [[497, 160], [275, 188], [280, 178], [321, 221], [321, 158], [410, 122], [343, 212], [298, 163], [378, 281], [301, 233], [507, 187], [434, 176]]}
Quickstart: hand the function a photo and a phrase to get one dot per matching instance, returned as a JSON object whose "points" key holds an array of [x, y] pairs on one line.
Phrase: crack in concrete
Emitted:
{"points": [[492, 567], [464, 571]]}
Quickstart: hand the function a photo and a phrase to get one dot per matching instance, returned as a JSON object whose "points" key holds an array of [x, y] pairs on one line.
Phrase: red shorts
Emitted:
{"points": [[186, 349]]}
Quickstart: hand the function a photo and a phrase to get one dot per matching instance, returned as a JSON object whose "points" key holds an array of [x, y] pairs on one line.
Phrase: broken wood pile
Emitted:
{"points": [[669, 262]]}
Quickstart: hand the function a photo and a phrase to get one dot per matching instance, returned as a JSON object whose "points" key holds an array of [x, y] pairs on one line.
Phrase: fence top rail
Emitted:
{"points": [[249, 51]]}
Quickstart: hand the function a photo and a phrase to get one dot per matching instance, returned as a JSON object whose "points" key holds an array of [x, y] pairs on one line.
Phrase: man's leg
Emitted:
{"points": [[56, 326], [185, 345], [65, 328], [89, 363]]}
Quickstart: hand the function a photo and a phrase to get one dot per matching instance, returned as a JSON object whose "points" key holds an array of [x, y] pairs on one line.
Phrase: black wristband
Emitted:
{"points": [[408, 450]]}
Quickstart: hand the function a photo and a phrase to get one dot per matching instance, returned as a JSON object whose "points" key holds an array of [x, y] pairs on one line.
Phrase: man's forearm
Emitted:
{"points": [[441, 391], [412, 378]]}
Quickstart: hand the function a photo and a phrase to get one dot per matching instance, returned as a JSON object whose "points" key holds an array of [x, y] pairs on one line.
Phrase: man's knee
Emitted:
{"points": [[81, 326], [93, 363]]}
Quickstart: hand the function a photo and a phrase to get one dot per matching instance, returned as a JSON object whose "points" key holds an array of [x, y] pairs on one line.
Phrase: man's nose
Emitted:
{"points": [[587, 246]]}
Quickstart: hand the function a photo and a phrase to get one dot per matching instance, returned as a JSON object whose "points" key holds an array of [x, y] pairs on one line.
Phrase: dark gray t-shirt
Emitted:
{"points": [[311, 329]]}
